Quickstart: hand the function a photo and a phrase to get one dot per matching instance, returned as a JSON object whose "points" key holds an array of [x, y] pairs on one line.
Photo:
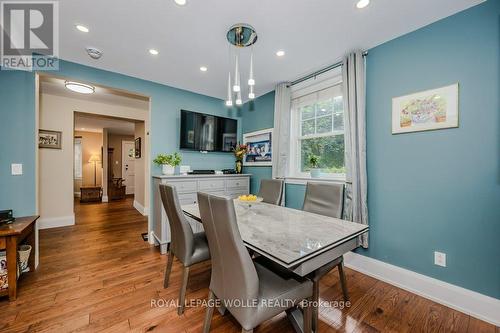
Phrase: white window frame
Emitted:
{"points": [[76, 142], [309, 87]]}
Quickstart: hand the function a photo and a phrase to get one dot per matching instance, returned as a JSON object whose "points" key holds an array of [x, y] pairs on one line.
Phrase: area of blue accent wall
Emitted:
{"points": [[17, 137], [18, 109], [256, 115], [439, 190]]}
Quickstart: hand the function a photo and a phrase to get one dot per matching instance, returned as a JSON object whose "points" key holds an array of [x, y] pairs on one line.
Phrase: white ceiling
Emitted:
{"points": [[88, 123], [314, 33], [55, 86]]}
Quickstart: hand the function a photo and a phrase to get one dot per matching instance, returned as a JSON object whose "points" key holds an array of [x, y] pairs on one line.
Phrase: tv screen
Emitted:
{"points": [[206, 132]]}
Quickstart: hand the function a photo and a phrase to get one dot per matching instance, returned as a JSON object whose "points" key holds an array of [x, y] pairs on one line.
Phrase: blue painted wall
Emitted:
{"points": [[17, 108], [436, 190], [17, 137], [257, 115]]}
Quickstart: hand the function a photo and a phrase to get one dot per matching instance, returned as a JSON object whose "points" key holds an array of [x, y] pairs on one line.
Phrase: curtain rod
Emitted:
{"points": [[321, 71]]}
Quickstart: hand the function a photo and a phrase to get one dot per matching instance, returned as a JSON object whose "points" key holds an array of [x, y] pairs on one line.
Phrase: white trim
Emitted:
{"points": [[141, 209], [104, 198], [77, 194], [467, 301], [305, 180], [55, 222]]}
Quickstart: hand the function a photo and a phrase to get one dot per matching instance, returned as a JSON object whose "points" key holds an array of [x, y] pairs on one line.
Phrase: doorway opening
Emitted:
{"points": [[103, 154]]}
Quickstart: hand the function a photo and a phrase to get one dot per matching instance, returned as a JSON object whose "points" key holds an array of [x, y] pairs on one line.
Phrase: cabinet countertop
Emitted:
{"points": [[199, 176]]}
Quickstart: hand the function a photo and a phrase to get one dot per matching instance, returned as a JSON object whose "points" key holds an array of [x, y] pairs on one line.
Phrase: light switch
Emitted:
{"points": [[16, 169], [440, 259]]}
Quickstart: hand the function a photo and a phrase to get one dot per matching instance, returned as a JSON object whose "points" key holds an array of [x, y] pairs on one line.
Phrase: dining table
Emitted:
{"points": [[302, 242]]}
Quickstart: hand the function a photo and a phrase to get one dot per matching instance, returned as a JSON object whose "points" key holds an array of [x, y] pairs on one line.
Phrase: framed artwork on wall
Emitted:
{"points": [[426, 110], [49, 139], [259, 148], [138, 147]]}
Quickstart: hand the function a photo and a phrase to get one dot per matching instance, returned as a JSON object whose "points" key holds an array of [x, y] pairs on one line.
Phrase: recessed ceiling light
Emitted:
{"points": [[180, 2], [362, 3], [280, 53], [203, 69], [82, 28], [153, 51], [79, 87]]}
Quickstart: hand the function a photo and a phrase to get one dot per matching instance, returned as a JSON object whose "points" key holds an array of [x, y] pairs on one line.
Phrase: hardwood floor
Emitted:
{"points": [[99, 275]]}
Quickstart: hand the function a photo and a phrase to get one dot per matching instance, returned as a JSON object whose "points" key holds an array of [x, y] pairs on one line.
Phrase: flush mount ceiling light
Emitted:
{"points": [[79, 87], [82, 28], [181, 2], [362, 3], [280, 53], [240, 36], [203, 68], [153, 51]]}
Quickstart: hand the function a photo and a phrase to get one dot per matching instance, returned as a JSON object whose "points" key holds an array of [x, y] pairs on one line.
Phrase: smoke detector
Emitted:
{"points": [[93, 52]]}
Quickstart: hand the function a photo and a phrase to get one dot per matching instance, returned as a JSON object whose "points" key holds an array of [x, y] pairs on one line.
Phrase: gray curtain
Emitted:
{"points": [[281, 132], [353, 77]]}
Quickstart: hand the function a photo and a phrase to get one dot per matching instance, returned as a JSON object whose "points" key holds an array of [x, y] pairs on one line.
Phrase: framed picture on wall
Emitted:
{"points": [[259, 148], [49, 139], [138, 147], [426, 110]]}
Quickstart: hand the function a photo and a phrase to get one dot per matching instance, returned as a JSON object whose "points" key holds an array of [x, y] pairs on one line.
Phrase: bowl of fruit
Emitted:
{"points": [[249, 199]]}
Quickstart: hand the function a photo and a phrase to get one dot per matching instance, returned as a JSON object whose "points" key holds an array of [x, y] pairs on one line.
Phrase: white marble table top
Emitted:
{"points": [[286, 234]]}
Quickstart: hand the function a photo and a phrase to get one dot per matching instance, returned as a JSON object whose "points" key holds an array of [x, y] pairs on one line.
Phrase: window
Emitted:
{"points": [[318, 130], [78, 158]]}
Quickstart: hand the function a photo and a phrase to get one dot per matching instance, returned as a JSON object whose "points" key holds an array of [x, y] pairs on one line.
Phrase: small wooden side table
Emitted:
{"points": [[90, 193], [11, 235]]}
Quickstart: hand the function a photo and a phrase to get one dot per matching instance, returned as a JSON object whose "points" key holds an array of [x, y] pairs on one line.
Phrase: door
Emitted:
{"points": [[128, 166]]}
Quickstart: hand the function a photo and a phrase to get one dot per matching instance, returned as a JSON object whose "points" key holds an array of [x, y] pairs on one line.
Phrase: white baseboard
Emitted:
{"points": [[104, 198], [55, 222], [467, 301], [141, 209]]}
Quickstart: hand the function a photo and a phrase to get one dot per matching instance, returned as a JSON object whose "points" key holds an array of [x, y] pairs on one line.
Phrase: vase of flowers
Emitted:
{"points": [[168, 162], [239, 153]]}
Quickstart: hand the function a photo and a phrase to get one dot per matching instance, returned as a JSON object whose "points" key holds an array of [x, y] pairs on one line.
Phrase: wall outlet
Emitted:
{"points": [[440, 259], [16, 169]]}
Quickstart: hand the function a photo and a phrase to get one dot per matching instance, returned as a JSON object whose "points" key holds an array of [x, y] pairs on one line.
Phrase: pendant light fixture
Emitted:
{"points": [[251, 81], [238, 98], [229, 100], [251, 94], [240, 36], [236, 87]]}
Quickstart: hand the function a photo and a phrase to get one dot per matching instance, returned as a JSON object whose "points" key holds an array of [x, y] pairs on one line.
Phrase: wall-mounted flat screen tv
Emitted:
{"points": [[204, 132]]}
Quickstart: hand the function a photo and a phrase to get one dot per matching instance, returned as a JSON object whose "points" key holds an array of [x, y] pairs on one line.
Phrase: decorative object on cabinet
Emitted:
{"points": [[239, 153], [426, 110], [259, 148], [168, 162]]}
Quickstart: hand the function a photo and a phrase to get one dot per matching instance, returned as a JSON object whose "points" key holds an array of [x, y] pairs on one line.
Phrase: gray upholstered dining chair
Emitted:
{"points": [[249, 291], [190, 248], [271, 190], [326, 199]]}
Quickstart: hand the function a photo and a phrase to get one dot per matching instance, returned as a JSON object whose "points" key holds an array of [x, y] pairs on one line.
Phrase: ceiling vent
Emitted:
{"points": [[93, 52]]}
